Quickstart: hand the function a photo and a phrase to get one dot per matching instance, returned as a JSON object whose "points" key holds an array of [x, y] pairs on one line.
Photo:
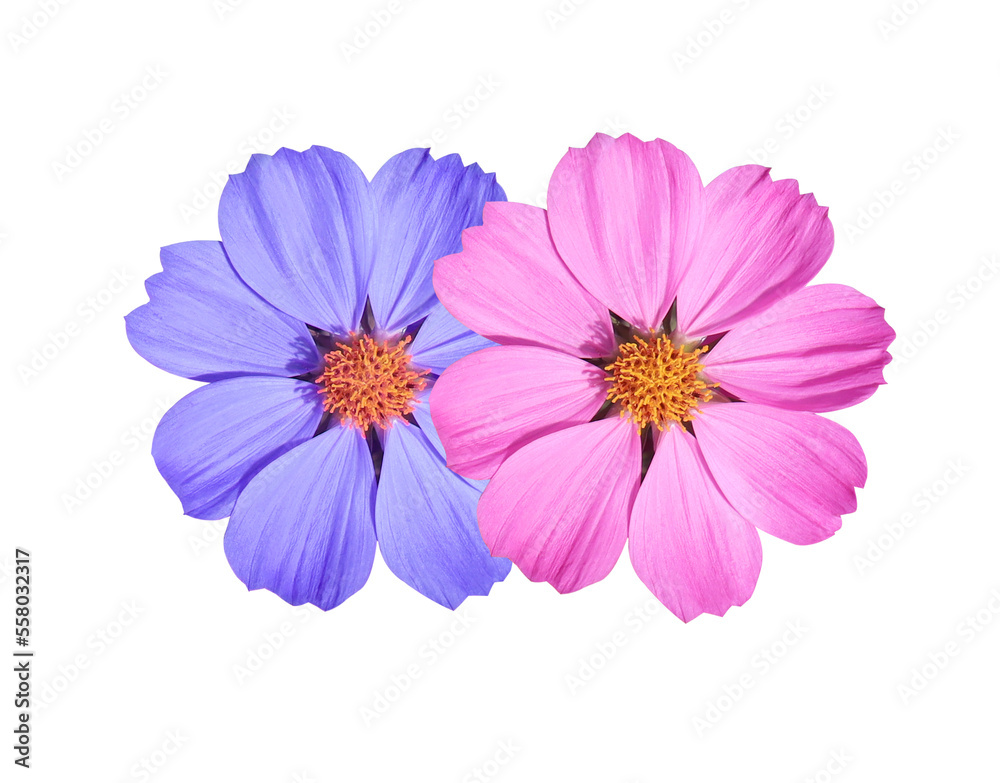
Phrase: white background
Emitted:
{"points": [[658, 709]]}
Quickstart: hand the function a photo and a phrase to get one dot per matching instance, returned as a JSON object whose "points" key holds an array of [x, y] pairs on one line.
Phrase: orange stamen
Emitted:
{"points": [[657, 382], [368, 382]]}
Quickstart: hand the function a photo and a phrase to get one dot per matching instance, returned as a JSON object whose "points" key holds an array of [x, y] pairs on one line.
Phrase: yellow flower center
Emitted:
{"points": [[657, 382], [368, 382]]}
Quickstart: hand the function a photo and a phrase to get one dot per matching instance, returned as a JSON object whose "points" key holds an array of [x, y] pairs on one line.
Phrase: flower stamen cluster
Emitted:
{"points": [[657, 382], [369, 382]]}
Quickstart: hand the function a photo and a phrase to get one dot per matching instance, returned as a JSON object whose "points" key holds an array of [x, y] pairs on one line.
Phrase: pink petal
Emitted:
{"points": [[820, 349], [687, 544], [491, 403], [509, 285], [626, 215], [762, 241], [790, 473], [559, 507]]}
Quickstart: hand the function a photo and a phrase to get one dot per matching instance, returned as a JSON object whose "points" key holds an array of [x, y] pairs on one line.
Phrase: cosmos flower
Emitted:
{"points": [[316, 326], [661, 367]]}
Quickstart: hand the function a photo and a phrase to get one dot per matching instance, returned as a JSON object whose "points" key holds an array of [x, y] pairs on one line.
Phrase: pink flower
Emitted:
{"points": [[660, 367]]}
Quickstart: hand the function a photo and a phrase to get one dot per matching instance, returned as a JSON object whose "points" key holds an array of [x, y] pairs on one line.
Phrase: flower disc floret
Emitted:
{"points": [[657, 382], [369, 382]]}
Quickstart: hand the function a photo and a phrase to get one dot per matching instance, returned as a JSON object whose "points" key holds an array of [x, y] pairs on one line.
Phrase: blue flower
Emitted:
{"points": [[316, 326]]}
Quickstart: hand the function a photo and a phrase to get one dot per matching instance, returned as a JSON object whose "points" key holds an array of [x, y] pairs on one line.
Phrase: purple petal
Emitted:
{"points": [[423, 206], [442, 340], [203, 322], [304, 527], [299, 228], [422, 415], [425, 516], [214, 440]]}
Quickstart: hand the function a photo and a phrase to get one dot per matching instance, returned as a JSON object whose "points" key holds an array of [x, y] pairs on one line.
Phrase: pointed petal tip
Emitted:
{"points": [[474, 594], [197, 512], [263, 588], [473, 167], [563, 589]]}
